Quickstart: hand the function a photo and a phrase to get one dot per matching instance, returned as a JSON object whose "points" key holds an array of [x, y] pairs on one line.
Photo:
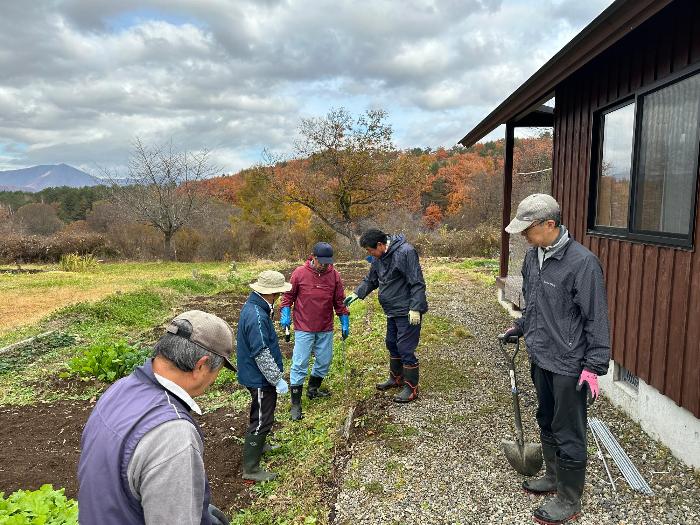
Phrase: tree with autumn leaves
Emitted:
{"points": [[346, 175], [346, 171]]}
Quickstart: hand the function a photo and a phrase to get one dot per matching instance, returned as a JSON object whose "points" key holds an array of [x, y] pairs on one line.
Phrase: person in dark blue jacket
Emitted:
{"points": [[397, 273], [260, 367]]}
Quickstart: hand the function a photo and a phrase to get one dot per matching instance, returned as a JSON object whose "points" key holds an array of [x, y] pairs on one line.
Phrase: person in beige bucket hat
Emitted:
{"points": [[260, 369], [271, 282]]}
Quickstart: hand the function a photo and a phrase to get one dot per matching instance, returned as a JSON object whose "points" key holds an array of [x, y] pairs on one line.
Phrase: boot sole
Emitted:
{"points": [[543, 521], [539, 493], [385, 388], [249, 481]]}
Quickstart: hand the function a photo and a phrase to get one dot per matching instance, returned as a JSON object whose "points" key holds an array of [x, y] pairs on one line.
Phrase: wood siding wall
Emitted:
{"points": [[653, 292]]}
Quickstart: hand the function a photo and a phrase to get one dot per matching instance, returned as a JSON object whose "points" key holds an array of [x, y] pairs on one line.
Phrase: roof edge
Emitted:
{"points": [[619, 19]]}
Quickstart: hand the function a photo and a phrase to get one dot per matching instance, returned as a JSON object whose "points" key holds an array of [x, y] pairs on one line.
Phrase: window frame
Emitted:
{"points": [[681, 241]]}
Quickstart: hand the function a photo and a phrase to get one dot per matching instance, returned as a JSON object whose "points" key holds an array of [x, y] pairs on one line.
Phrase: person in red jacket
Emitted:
{"points": [[317, 290]]}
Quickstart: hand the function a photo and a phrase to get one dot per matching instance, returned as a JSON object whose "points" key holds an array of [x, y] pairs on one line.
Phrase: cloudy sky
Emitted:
{"points": [[81, 78]]}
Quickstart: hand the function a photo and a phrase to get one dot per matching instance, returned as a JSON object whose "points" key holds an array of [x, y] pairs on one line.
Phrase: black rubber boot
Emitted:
{"points": [[566, 505], [296, 391], [252, 451], [314, 388], [395, 375], [410, 385], [547, 483]]}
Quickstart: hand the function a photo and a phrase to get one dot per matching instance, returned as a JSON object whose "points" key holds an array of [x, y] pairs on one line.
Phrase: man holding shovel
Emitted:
{"points": [[397, 273], [565, 325], [317, 290]]}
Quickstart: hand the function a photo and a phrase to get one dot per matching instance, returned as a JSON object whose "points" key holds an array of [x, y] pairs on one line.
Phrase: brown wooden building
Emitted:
{"points": [[625, 169]]}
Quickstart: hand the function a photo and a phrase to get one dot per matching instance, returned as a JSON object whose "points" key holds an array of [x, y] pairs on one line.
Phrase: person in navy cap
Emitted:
{"points": [[317, 290]]}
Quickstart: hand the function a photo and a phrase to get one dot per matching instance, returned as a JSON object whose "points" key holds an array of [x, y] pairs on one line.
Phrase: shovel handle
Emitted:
{"points": [[514, 385]]}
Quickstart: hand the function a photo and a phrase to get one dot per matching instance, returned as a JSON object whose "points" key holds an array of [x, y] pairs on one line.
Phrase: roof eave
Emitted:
{"points": [[611, 25]]}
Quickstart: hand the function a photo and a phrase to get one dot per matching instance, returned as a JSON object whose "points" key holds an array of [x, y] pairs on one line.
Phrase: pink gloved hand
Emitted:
{"points": [[591, 381]]}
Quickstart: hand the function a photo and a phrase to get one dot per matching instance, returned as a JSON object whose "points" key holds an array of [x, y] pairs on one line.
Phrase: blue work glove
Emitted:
{"points": [[285, 316], [345, 325], [369, 259], [282, 387], [350, 299]]}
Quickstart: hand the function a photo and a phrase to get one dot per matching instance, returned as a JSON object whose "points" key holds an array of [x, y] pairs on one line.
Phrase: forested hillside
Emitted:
{"points": [[344, 176]]}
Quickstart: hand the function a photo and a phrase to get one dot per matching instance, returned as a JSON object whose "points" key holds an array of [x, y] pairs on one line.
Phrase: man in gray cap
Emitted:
{"points": [[565, 325], [259, 360], [142, 453]]}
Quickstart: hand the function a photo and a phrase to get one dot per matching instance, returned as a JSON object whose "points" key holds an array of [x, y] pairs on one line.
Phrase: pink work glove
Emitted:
{"points": [[591, 381]]}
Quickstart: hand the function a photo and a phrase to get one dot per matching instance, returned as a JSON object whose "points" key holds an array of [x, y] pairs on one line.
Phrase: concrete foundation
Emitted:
{"points": [[661, 418]]}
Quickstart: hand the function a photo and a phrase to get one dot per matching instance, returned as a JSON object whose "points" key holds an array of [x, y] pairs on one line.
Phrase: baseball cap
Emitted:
{"points": [[208, 332], [533, 208], [323, 252]]}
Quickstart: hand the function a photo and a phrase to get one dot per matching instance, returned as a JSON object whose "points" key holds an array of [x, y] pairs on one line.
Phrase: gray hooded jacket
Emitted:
{"points": [[399, 277]]}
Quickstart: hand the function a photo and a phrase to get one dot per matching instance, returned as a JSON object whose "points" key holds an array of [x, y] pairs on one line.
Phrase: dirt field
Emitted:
{"points": [[42, 441]]}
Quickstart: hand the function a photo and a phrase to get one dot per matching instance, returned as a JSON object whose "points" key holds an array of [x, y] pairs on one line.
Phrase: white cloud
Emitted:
{"points": [[82, 78]]}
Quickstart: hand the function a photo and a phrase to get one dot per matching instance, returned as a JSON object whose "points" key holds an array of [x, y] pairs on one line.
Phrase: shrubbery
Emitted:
{"points": [[108, 361], [34, 248], [45, 506], [482, 241]]}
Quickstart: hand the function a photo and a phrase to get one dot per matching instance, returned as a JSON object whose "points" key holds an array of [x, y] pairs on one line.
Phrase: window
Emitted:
{"points": [[646, 164], [616, 167]]}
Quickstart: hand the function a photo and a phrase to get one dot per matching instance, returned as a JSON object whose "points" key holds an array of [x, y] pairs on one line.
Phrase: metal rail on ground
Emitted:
{"points": [[622, 460]]}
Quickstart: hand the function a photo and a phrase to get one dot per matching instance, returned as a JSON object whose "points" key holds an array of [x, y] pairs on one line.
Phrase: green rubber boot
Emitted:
{"points": [[395, 375], [410, 385], [314, 389], [566, 505], [252, 452], [296, 392]]}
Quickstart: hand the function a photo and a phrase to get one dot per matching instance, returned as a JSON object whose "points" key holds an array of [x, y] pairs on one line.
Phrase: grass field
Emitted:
{"points": [[26, 298]]}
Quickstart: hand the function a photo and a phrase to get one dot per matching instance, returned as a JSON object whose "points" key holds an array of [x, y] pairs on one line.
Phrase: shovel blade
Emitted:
{"points": [[525, 458]]}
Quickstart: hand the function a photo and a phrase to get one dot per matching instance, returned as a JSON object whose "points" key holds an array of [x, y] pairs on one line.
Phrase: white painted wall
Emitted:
{"points": [[661, 418]]}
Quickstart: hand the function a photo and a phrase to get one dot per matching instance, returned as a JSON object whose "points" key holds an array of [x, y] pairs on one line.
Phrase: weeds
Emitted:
{"points": [[74, 262]]}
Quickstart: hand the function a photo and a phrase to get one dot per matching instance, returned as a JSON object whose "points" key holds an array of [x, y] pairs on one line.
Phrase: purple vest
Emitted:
{"points": [[129, 409]]}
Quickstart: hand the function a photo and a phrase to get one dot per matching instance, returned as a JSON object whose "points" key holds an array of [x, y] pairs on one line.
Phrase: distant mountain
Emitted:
{"points": [[37, 178]]}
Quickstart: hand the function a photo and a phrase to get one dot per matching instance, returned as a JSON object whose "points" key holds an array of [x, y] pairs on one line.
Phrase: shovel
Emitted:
{"points": [[525, 458]]}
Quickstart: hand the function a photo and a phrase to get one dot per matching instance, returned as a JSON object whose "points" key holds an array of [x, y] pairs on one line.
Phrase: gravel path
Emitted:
{"points": [[439, 460]]}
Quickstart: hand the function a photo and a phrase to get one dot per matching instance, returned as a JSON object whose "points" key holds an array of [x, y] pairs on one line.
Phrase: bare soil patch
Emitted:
{"points": [[41, 444]]}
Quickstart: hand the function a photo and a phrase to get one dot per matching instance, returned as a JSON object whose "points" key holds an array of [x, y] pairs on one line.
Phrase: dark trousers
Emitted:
{"points": [[561, 413], [402, 339], [262, 410]]}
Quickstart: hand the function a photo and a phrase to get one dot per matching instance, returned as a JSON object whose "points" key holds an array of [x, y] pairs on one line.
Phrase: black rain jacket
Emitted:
{"points": [[399, 277]]}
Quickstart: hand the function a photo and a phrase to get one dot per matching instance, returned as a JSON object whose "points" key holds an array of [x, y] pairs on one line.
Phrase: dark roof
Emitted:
{"points": [[610, 26]]}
